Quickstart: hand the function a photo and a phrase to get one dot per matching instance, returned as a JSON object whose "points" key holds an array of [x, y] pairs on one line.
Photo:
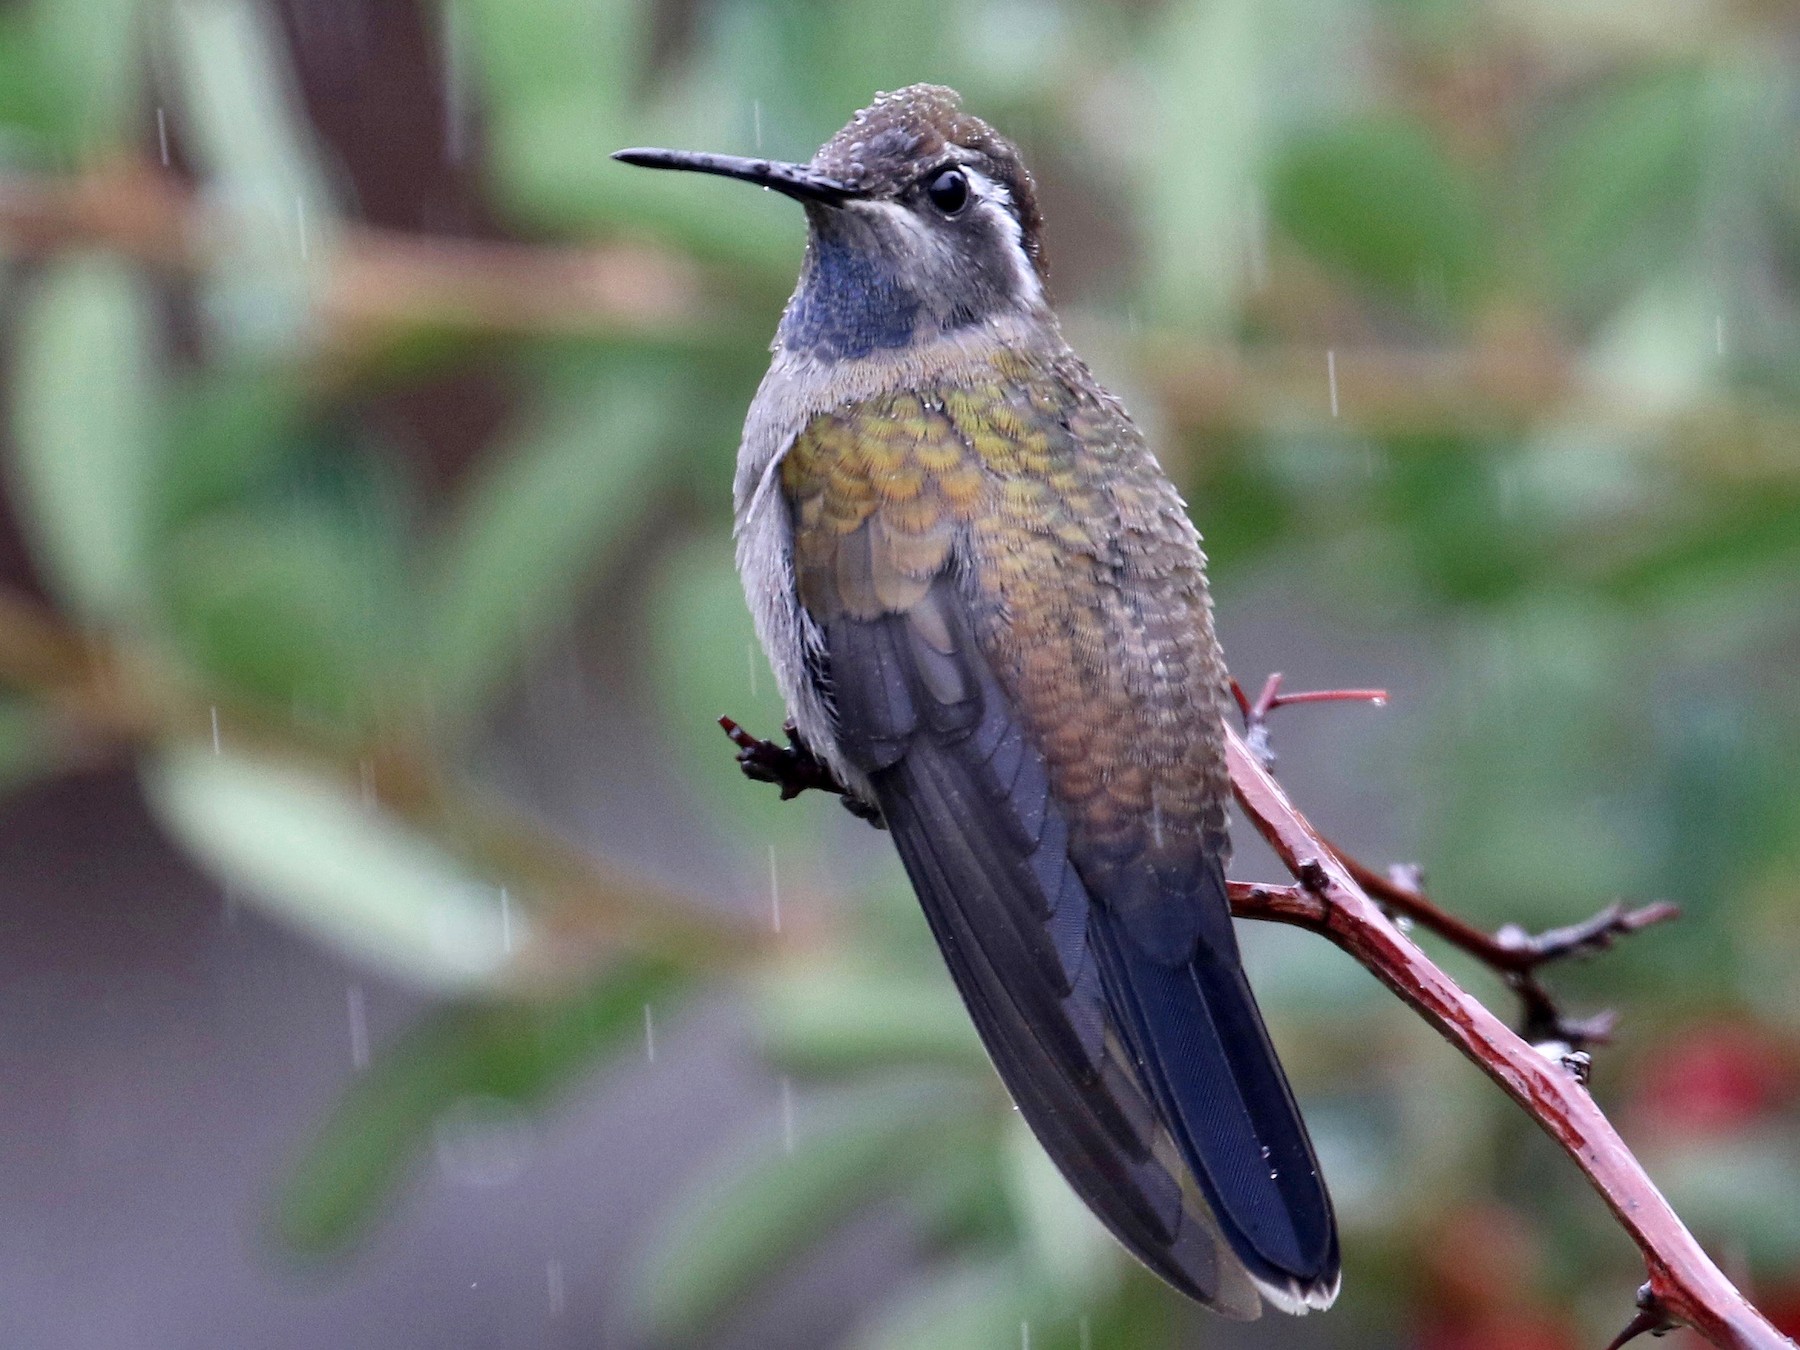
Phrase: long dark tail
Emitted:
{"points": [[1134, 1072], [1196, 1031]]}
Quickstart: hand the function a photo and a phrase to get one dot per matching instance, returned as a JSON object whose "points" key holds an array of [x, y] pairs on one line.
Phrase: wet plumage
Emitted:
{"points": [[988, 608]]}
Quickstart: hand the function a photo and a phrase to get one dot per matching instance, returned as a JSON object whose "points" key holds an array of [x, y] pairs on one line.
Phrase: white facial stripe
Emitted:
{"points": [[994, 198], [988, 196]]}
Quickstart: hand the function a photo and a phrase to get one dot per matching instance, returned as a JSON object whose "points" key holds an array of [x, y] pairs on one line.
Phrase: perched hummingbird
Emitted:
{"points": [[987, 609]]}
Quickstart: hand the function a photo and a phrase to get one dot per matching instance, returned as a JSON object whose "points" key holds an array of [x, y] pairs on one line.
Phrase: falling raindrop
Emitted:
{"points": [[162, 136], [1024, 1335], [215, 728], [553, 1279], [774, 891], [1086, 1334], [1331, 377], [756, 121], [300, 219], [649, 1035], [359, 1026], [787, 1114]]}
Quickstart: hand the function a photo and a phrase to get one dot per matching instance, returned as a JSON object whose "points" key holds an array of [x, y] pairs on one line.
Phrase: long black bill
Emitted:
{"points": [[796, 180]]}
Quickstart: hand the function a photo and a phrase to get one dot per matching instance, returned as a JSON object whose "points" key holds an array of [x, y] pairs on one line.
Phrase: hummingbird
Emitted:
{"points": [[986, 607]]}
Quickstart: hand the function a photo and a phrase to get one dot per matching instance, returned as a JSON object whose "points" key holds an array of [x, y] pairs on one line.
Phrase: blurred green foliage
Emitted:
{"points": [[1595, 565]]}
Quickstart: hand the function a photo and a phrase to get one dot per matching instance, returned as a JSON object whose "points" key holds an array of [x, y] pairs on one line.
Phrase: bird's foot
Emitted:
{"points": [[1256, 713], [793, 768]]}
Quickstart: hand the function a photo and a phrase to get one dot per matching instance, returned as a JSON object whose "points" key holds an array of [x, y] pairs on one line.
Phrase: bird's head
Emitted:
{"points": [[922, 221]]}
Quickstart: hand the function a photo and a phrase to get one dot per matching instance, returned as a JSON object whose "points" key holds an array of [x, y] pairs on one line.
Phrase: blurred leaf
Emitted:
{"points": [[734, 1231], [843, 1016], [87, 78], [814, 64], [1744, 1186], [1623, 169], [558, 171], [1380, 200], [1530, 701], [86, 409], [1073, 1253], [557, 81], [959, 1197], [230, 427], [1657, 354], [545, 48], [973, 1306], [1742, 537], [1260, 513], [293, 605], [1207, 158], [537, 524], [242, 123], [515, 1052], [27, 110], [336, 867], [995, 1304], [703, 645], [29, 742], [1457, 508]]}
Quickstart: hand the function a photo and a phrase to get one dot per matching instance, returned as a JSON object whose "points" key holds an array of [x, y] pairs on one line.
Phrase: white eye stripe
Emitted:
{"points": [[986, 195], [989, 189], [998, 200]]}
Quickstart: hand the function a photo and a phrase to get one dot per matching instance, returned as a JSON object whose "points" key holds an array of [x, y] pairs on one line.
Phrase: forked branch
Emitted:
{"points": [[1685, 1286], [1337, 898]]}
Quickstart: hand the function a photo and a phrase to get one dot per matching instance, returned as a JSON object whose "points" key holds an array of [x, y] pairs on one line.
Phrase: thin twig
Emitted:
{"points": [[1511, 950], [1256, 711], [1513, 954], [1684, 1280]]}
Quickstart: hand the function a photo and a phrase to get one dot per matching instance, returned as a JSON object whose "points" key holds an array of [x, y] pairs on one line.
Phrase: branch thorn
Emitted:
{"points": [[1651, 1318]]}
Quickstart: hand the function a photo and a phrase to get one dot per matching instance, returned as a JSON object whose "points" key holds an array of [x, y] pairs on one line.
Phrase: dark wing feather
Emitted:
{"points": [[1194, 1027], [967, 799]]}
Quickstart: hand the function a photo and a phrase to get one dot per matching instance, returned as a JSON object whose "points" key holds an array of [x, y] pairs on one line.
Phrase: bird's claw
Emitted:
{"points": [[793, 767]]}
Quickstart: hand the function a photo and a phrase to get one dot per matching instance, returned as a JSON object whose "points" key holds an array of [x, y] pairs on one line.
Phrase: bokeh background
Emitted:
{"points": [[392, 954]]}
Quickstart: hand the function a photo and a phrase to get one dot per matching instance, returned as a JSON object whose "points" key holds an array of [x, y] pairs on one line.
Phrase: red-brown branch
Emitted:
{"points": [[1685, 1285]]}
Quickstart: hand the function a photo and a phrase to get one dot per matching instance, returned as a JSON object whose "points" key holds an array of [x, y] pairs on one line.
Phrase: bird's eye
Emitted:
{"points": [[949, 191]]}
